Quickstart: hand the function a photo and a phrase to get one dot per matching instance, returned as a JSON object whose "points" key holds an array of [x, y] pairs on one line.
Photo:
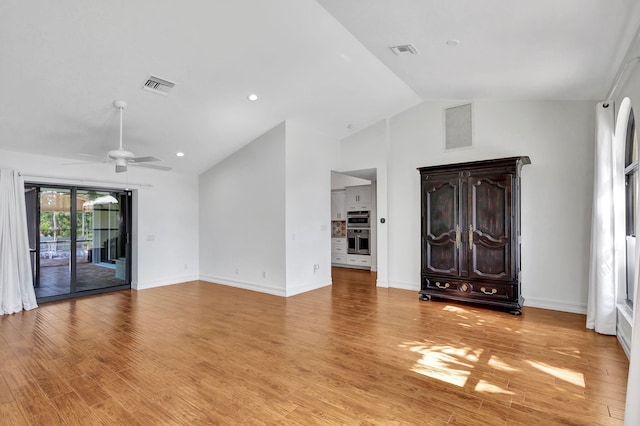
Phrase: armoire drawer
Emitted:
{"points": [[469, 288], [492, 291]]}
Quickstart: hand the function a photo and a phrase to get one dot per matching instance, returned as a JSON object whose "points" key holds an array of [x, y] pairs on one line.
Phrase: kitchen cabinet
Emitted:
{"points": [[338, 210], [359, 260], [339, 246], [338, 259], [470, 233], [358, 198], [339, 251]]}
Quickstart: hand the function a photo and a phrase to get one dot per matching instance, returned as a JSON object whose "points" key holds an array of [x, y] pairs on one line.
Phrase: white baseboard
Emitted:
{"points": [[245, 285], [405, 285], [555, 305], [626, 345], [624, 327], [143, 285], [304, 288], [380, 283]]}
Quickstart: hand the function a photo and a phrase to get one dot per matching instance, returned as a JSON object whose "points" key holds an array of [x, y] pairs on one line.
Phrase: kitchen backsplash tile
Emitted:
{"points": [[338, 229]]}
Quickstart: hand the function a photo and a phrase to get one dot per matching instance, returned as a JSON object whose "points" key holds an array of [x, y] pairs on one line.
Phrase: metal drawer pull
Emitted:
{"points": [[458, 236], [484, 290], [470, 237], [446, 285]]}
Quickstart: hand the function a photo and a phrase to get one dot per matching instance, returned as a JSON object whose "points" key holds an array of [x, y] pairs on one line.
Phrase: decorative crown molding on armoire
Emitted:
{"points": [[470, 238]]}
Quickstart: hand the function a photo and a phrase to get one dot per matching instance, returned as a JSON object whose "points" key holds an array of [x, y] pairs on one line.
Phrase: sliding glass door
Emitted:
{"points": [[80, 240]]}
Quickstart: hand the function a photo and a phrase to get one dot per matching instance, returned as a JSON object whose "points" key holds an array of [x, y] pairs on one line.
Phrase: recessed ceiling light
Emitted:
{"points": [[252, 97], [453, 42], [180, 154]]}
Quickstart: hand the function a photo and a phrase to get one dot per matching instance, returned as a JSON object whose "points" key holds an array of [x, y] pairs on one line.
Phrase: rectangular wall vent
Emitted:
{"points": [[158, 85], [404, 49], [458, 127]]}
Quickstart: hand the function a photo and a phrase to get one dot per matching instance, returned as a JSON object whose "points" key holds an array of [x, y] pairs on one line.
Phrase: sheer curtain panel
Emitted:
{"points": [[16, 280], [601, 305]]}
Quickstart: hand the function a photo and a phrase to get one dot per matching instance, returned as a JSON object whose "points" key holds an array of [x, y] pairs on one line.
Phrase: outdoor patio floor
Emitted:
{"points": [[55, 277]]}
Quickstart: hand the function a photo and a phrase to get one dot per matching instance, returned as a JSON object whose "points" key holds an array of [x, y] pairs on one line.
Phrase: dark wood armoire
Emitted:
{"points": [[471, 232]]}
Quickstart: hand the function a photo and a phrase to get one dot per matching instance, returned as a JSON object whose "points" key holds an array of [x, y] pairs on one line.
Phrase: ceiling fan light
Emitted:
{"points": [[120, 154]]}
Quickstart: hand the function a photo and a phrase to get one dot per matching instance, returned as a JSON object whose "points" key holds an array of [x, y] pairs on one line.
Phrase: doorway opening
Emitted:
{"points": [[354, 235], [79, 240]]}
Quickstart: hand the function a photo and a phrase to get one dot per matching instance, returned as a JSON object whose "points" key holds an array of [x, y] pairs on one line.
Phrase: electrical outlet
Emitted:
{"points": [[316, 267], [264, 274], [237, 271]]}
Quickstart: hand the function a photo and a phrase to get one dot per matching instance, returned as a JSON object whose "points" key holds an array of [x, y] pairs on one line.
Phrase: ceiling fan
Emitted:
{"points": [[122, 158]]}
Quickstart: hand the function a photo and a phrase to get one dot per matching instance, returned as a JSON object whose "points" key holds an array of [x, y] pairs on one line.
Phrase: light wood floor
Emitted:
{"points": [[353, 354]]}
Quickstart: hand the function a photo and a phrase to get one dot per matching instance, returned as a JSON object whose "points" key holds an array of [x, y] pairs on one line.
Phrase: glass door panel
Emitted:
{"points": [[101, 245], [54, 242]]}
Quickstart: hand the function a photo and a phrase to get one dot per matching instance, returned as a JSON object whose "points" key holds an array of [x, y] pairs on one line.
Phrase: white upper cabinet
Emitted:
{"points": [[358, 198], [338, 211]]}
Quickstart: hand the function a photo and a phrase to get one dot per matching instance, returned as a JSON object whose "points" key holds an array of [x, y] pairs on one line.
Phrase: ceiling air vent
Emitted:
{"points": [[157, 85], [404, 49]]}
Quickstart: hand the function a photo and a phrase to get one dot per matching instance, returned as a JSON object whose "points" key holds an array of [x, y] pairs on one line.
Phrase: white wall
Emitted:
{"points": [[340, 181], [265, 213], [309, 157], [242, 217], [556, 187], [167, 210], [368, 149]]}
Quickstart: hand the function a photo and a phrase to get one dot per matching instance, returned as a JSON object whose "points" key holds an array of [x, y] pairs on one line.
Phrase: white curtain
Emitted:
{"points": [[16, 281], [601, 305]]}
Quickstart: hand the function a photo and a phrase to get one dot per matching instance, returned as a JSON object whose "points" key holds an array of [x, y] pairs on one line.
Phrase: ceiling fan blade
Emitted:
{"points": [[144, 159], [152, 166], [121, 169], [78, 163]]}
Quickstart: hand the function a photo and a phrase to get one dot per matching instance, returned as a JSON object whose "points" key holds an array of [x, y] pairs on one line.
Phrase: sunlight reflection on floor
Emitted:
{"points": [[560, 373], [446, 363], [498, 364], [461, 365], [484, 386]]}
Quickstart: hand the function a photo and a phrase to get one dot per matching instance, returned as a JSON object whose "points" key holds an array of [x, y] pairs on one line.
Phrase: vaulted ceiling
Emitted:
{"points": [[326, 63]]}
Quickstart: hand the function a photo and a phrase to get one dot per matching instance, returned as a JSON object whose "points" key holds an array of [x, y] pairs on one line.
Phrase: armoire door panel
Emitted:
{"points": [[491, 205], [490, 262], [442, 258], [490, 226], [441, 227]]}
